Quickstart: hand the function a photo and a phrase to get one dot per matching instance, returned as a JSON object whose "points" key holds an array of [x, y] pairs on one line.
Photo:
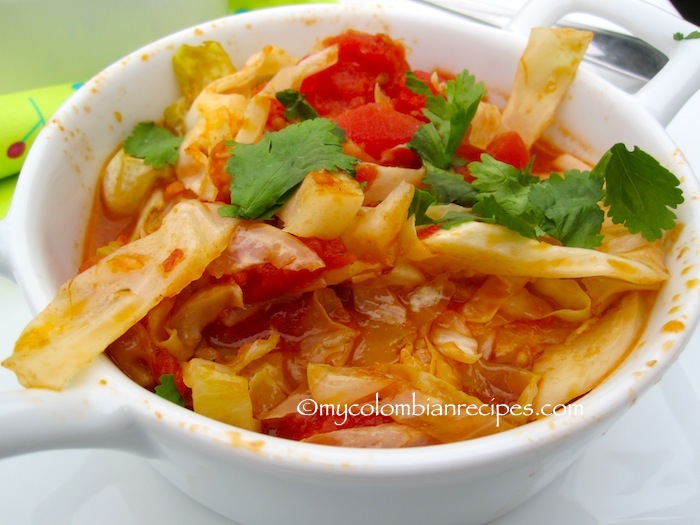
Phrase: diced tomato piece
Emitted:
{"points": [[401, 157], [333, 252], [298, 426], [428, 231], [377, 128], [468, 151], [406, 101], [509, 147], [265, 281], [275, 118], [363, 61], [366, 173], [165, 363]]}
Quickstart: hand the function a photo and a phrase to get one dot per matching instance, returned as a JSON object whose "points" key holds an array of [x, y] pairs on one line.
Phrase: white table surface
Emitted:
{"points": [[645, 470]]}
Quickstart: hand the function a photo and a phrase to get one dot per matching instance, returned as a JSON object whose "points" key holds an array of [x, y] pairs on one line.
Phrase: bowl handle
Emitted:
{"points": [[664, 95], [5, 266], [35, 419]]}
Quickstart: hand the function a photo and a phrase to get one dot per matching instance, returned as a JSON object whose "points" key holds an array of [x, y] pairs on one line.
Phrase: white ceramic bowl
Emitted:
{"points": [[254, 478]]}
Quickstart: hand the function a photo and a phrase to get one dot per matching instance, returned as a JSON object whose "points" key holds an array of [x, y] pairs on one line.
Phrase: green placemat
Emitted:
{"points": [[23, 114], [7, 186]]}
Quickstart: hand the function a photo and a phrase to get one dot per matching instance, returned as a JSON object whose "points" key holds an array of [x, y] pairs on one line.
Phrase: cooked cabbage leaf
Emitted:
{"points": [[197, 66], [97, 306], [494, 249], [545, 72]]}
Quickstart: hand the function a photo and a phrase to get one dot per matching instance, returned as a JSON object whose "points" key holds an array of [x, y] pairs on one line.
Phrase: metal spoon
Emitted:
{"points": [[625, 60]]}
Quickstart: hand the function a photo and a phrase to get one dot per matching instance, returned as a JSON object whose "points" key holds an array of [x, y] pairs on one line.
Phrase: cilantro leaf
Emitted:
{"points": [[690, 36], [448, 186], [420, 203], [427, 142], [449, 117], [639, 191], [416, 85], [422, 200], [506, 185], [265, 174], [523, 222], [167, 389], [568, 208], [296, 104], [455, 218], [156, 145], [565, 208]]}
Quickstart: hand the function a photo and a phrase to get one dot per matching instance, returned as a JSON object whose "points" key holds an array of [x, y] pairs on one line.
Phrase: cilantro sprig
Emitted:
{"points": [[156, 145], [637, 190], [449, 118], [690, 36], [422, 200], [640, 192], [565, 208], [437, 141], [167, 389], [296, 106], [266, 173]]}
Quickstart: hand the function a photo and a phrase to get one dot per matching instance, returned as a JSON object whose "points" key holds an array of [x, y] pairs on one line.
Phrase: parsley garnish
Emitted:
{"points": [[266, 173], [449, 116], [690, 36], [639, 191], [565, 208], [420, 203], [437, 141], [448, 186], [167, 389], [422, 200], [296, 105], [156, 145]]}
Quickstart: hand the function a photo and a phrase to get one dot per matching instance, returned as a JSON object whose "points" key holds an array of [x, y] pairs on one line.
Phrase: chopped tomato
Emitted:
{"points": [[468, 153], [333, 252], [428, 231], [165, 363], [377, 128], [298, 426], [171, 261], [275, 118], [364, 61], [366, 173], [509, 147], [265, 281], [406, 101]]}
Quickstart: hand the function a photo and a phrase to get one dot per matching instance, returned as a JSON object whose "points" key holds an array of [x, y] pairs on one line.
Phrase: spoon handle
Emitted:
{"points": [[627, 56]]}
